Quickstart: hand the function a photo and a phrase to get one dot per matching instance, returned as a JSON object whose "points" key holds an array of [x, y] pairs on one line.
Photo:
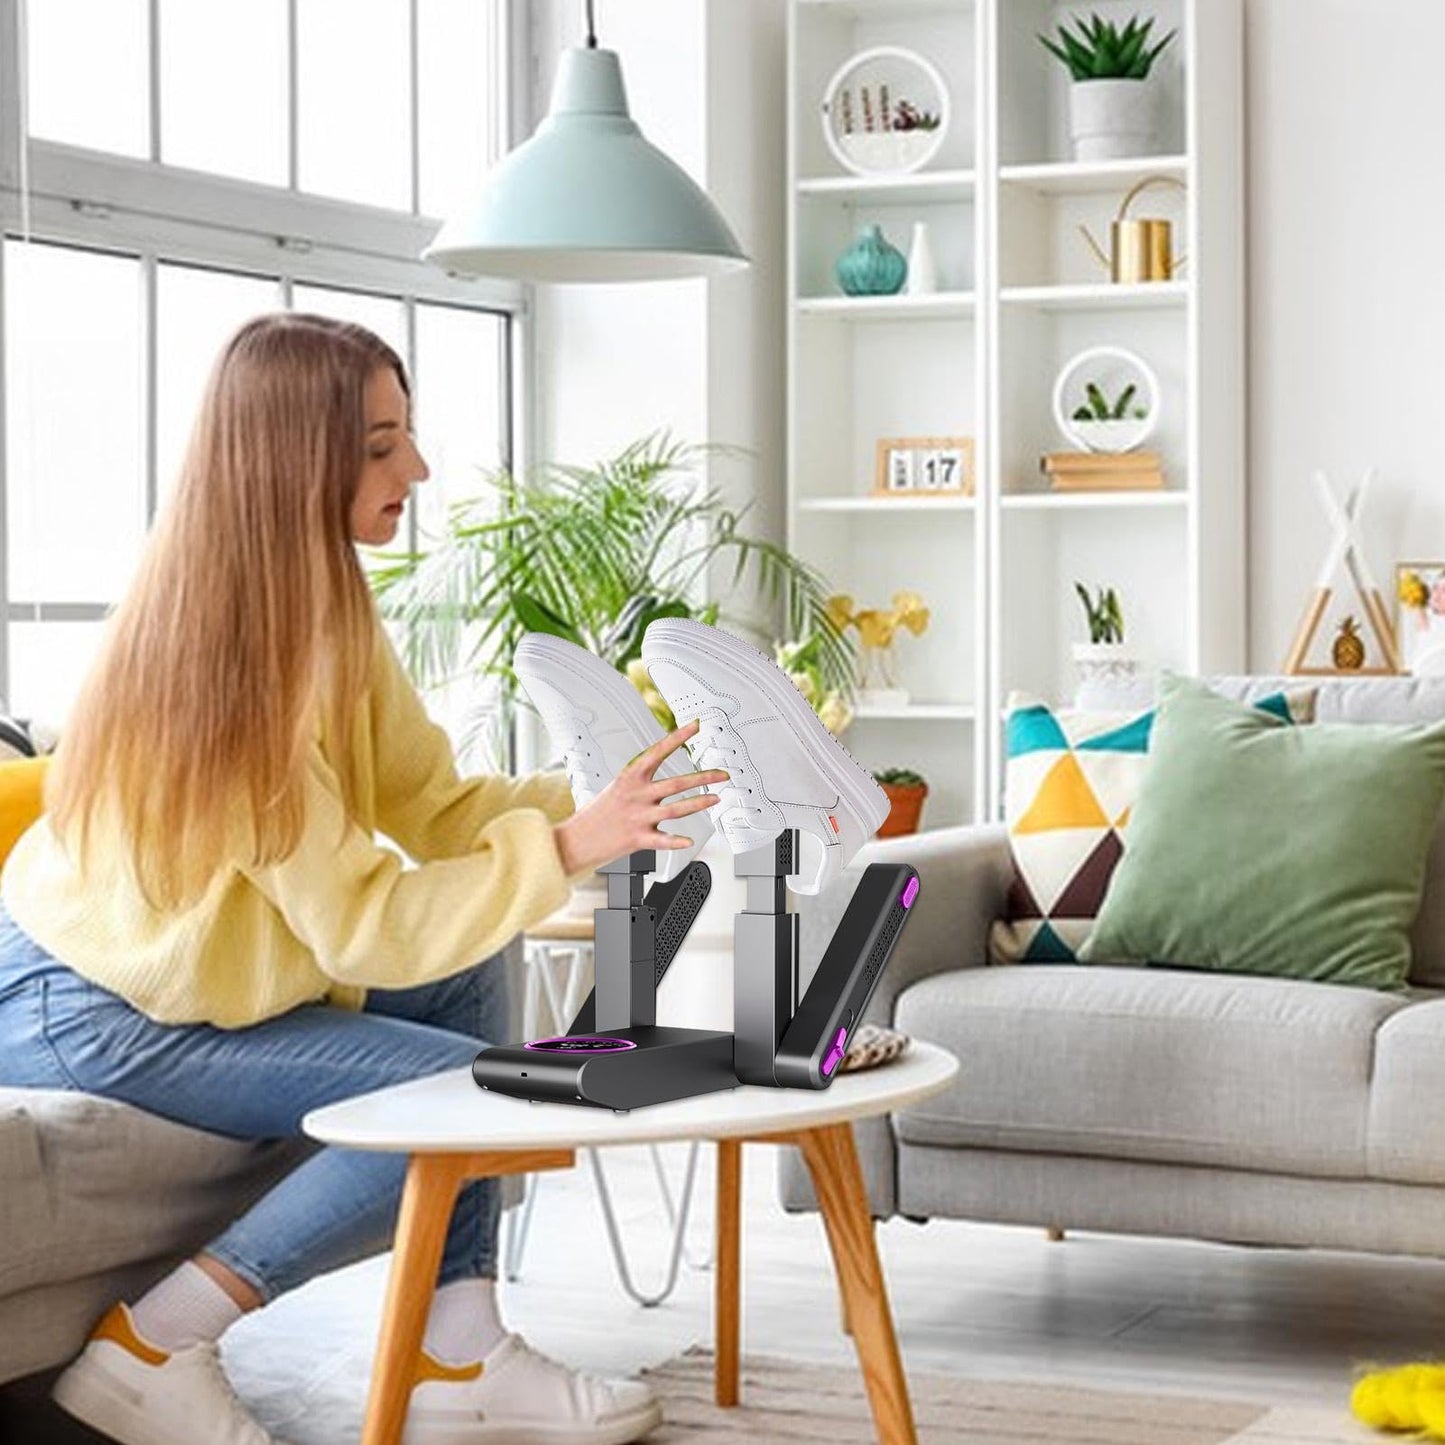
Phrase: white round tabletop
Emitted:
{"points": [[448, 1113]]}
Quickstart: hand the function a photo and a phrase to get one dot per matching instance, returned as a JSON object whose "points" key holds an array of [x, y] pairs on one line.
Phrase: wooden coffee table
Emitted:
{"points": [[454, 1131]]}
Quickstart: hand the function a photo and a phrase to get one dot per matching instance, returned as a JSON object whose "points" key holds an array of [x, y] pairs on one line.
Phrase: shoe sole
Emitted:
{"points": [[478, 1432], [833, 760], [88, 1394]]}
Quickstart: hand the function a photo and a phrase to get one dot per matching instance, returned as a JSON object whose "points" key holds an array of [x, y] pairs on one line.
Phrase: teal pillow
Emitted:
{"points": [[1256, 847]]}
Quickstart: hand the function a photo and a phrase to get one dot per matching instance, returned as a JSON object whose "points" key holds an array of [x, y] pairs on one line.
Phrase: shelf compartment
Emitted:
{"points": [[1092, 501], [875, 505], [916, 188], [916, 712], [1087, 178], [938, 305], [1101, 296]]}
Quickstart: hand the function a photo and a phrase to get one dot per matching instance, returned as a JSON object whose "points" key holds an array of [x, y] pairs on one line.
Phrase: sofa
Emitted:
{"points": [[1162, 1101], [99, 1199]]}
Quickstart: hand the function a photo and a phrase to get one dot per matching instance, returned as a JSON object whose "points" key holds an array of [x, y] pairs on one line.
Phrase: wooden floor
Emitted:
{"points": [[997, 1303], [1003, 1304]]}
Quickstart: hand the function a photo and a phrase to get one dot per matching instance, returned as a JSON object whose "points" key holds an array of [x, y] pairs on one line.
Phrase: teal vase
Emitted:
{"points": [[871, 266]]}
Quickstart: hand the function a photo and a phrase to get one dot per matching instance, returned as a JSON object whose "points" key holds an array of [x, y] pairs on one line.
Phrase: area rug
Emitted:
{"points": [[786, 1401]]}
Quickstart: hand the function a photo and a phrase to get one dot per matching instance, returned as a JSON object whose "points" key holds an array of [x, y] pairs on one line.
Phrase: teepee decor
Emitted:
{"points": [[1351, 649]]}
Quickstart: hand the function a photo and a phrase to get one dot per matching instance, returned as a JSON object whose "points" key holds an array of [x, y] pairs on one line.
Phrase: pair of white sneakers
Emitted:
{"points": [[130, 1391], [786, 770]]}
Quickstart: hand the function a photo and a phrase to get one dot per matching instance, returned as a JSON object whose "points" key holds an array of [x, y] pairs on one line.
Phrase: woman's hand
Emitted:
{"points": [[624, 817]]}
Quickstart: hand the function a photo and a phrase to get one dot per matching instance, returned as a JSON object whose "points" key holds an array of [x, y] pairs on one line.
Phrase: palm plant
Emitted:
{"points": [[593, 555]]}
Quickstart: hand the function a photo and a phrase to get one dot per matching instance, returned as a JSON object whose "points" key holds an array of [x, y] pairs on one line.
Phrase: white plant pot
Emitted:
{"points": [[1104, 662], [1111, 119], [1112, 436], [888, 152]]}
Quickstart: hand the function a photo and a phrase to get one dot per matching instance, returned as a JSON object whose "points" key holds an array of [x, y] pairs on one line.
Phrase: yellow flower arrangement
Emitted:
{"points": [[877, 630]]}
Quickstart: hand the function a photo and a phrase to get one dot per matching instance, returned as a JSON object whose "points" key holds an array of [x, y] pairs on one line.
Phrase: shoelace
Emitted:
{"points": [[582, 776], [710, 749]]}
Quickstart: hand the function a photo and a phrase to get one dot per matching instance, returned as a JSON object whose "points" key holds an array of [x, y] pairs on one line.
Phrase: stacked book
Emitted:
{"points": [[1103, 471]]}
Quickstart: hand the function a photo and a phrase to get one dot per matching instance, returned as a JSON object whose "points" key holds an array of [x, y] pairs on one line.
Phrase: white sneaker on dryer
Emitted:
{"points": [[599, 722], [787, 770]]}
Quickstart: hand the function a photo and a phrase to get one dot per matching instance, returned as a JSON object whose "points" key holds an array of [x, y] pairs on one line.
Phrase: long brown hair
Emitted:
{"points": [[248, 624]]}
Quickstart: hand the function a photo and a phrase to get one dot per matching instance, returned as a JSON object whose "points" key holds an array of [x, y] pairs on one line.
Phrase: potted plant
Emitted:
{"points": [[1103, 657], [906, 791], [877, 629], [1105, 426], [591, 554], [1111, 102]]}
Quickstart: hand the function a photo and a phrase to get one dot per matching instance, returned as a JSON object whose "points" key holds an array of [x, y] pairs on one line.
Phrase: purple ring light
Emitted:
{"points": [[910, 893], [581, 1044]]}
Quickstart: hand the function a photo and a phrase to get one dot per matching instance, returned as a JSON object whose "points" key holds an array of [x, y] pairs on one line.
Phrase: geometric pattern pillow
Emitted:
{"points": [[1071, 778]]}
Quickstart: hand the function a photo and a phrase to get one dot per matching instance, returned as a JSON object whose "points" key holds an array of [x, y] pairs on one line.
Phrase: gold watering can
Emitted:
{"points": [[1138, 250]]}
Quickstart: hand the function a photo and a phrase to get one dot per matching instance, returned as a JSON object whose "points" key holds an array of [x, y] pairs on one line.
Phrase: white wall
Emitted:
{"points": [[1346, 231]]}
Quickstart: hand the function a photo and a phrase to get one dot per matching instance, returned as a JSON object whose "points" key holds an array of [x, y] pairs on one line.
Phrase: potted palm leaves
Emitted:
{"points": [[1111, 101]]}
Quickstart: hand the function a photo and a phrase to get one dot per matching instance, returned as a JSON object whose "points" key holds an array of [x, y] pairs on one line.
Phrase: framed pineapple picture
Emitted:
{"points": [[924, 467], [1420, 615]]}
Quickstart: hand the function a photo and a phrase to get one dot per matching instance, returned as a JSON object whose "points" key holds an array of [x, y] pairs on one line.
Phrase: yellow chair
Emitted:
{"points": [[22, 787]]}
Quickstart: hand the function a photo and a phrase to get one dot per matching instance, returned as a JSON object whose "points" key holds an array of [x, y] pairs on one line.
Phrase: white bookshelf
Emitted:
{"points": [[1020, 293]]}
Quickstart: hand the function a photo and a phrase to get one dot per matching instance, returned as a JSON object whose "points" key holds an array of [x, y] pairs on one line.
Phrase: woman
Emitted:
{"points": [[203, 926]]}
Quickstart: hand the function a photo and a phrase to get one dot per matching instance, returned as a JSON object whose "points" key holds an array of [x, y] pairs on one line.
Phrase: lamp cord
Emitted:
{"points": [[591, 27]]}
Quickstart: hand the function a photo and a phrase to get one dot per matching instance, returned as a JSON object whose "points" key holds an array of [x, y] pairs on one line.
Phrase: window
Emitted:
{"points": [[188, 167]]}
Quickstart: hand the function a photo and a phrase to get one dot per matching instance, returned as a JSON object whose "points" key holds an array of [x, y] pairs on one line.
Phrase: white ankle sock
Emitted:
{"points": [[465, 1324], [186, 1307]]}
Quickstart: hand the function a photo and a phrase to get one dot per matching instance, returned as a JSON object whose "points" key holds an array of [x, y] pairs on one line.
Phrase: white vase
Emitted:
{"points": [[1110, 119], [922, 268]]}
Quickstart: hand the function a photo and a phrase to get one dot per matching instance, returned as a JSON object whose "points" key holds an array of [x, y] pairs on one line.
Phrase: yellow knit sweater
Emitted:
{"points": [[342, 912]]}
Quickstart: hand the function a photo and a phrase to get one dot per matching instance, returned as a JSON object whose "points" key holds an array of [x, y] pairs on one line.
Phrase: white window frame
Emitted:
{"points": [[157, 213]]}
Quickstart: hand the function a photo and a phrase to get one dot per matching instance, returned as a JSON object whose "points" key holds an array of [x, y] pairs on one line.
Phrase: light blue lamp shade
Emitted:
{"points": [[588, 198]]}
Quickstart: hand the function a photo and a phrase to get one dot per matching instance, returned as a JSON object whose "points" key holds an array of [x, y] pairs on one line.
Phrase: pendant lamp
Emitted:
{"points": [[588, 198]]}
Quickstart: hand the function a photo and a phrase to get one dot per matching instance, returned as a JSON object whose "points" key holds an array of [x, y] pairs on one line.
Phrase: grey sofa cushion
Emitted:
{"points": [[88, 1185], [1151, 1064], [1364, 699], [1407, 1127]]}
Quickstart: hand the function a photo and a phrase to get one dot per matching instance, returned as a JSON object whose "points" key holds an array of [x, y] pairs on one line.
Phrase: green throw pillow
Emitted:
{"points": [[1256, 847]]}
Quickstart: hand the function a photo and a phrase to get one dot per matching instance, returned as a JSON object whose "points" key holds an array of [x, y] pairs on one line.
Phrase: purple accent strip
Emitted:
{"points": [[835, 1054], [910, 893], [618, 1045]]}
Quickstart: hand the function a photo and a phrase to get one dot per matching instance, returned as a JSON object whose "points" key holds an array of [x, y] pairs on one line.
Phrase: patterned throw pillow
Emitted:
{"points": [[1071, 779]]}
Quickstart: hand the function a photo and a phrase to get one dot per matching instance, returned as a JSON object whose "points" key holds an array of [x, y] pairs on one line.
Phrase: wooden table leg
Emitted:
{"points": [[432, 1183], [427, 1200], [832, 1160], [728, 1282]]}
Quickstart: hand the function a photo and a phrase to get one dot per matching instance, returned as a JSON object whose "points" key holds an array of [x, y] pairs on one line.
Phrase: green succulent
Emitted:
{"points": [[1106, 618], [900, 777], [1101, 51], [1100, 408]]}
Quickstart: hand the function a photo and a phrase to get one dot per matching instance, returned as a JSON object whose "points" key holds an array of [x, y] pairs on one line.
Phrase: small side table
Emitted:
{"points": [[452, 1131]]}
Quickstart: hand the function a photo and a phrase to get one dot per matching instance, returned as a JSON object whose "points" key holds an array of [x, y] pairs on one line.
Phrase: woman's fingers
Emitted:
{"points": [[690, 805], [666, 787], [648, 760]]}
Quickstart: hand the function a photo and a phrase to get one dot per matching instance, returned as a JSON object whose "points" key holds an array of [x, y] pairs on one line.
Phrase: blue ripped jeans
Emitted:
{"points": [[59, 1031]]}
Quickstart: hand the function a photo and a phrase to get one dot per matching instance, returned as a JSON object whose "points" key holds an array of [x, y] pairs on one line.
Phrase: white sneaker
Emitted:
{"points": [[133, 1392], [600, 723], [516, 1396], [788, 770]]}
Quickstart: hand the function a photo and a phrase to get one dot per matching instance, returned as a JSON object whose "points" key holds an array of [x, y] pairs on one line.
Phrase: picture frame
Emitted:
{"points": [[924, 466], [1420, 626]]}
